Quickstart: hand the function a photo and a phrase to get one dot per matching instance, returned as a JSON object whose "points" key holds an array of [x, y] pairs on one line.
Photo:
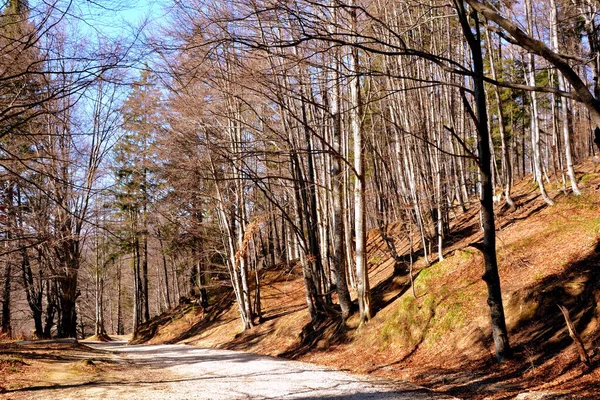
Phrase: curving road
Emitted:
{"points": [[176, 372]]}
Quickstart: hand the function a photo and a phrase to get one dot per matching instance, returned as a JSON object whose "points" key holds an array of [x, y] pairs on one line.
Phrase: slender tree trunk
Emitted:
{"points": [[145, 293], [564, 104], [339, 255], [120, 327], [202, 274], [99, 329], [6, 329], [175, 274], [506, 165], [5, 325], [488, 247], [360, 228], [165, 272], [137, 286], [98, 326], [535, 129], [301, 208], [51, 307], [258, 265]]}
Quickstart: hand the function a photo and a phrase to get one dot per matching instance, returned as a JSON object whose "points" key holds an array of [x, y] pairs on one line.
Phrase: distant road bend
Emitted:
{"points": [[176, 372]]}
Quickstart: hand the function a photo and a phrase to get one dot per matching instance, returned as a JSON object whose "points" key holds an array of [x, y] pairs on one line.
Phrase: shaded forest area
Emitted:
{"points": [[179, 163]]}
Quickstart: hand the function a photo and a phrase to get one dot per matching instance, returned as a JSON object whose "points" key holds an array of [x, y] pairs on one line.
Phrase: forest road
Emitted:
{"points": [[176, 372]]}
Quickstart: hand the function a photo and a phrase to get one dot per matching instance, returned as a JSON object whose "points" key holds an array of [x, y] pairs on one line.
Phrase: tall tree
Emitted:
{"points": [[488, 247], [135, 176]]}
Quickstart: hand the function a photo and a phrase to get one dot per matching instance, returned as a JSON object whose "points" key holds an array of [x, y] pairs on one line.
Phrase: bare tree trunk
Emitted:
{"points": [[564, 104], [535, 129], [488, 247], [437, 169], [137, 286], [99, 271], [6, 329], [360, 228], [120, 327], [583, 355], [51, 307], [506, 165], [99, 329], [339, 255], [258, 265], [165, 272], [176, 283], [145, 293], [5, 325], [99, 323]]}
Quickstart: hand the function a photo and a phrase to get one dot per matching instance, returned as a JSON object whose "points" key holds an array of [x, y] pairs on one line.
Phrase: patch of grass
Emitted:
{"points": [[448, 317], [465, 254], [16, 386], [431, 273], [518, 246], [592, 225], [586, 178], [532, 185], [554, 185], [11, 364], [584, 201], [376, 259], [577, 223], [436, 312], [539, 275], [408, 324]]}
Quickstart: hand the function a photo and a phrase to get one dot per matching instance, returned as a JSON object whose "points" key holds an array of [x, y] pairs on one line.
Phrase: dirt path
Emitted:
{"points": [[184, 372]]}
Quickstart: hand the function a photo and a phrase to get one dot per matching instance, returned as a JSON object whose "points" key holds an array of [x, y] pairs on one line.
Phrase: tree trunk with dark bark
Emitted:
{"points": [[488, 247]]}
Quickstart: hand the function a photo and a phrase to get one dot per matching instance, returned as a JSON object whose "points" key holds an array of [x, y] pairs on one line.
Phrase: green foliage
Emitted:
{"points": [[135, 159]]}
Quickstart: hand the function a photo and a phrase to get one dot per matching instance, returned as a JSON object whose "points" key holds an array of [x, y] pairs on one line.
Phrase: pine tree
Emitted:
{"points": [[134, 174]]}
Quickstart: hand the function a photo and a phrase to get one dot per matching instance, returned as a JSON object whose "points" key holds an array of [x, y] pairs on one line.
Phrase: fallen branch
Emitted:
{"points": [[583, 356]]}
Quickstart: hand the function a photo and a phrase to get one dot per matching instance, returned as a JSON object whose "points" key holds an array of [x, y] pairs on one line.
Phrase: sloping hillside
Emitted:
{"points": [[437, 333]]}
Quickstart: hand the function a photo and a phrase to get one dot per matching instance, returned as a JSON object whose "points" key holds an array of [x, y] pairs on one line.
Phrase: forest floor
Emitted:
{"points": [[114, 370], [436, 333]]}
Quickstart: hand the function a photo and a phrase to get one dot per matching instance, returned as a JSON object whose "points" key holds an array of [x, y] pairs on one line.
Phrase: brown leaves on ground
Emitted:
{"points": [[46, 364]]}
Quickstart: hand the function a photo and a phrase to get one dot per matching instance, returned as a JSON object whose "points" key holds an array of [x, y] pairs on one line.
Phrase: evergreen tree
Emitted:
{"points": [[135, 181]]}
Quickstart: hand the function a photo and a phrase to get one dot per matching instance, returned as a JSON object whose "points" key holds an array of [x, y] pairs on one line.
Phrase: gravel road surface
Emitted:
{"points": [[176, 372]]}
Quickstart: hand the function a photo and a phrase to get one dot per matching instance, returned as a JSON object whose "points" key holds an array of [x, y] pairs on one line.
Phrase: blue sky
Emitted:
{"points": [[141, 9], [107, 17], [127, 15]]}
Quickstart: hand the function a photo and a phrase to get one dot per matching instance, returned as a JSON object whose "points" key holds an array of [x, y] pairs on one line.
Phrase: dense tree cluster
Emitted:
{"points": [[270, 133], [58, 113]]}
